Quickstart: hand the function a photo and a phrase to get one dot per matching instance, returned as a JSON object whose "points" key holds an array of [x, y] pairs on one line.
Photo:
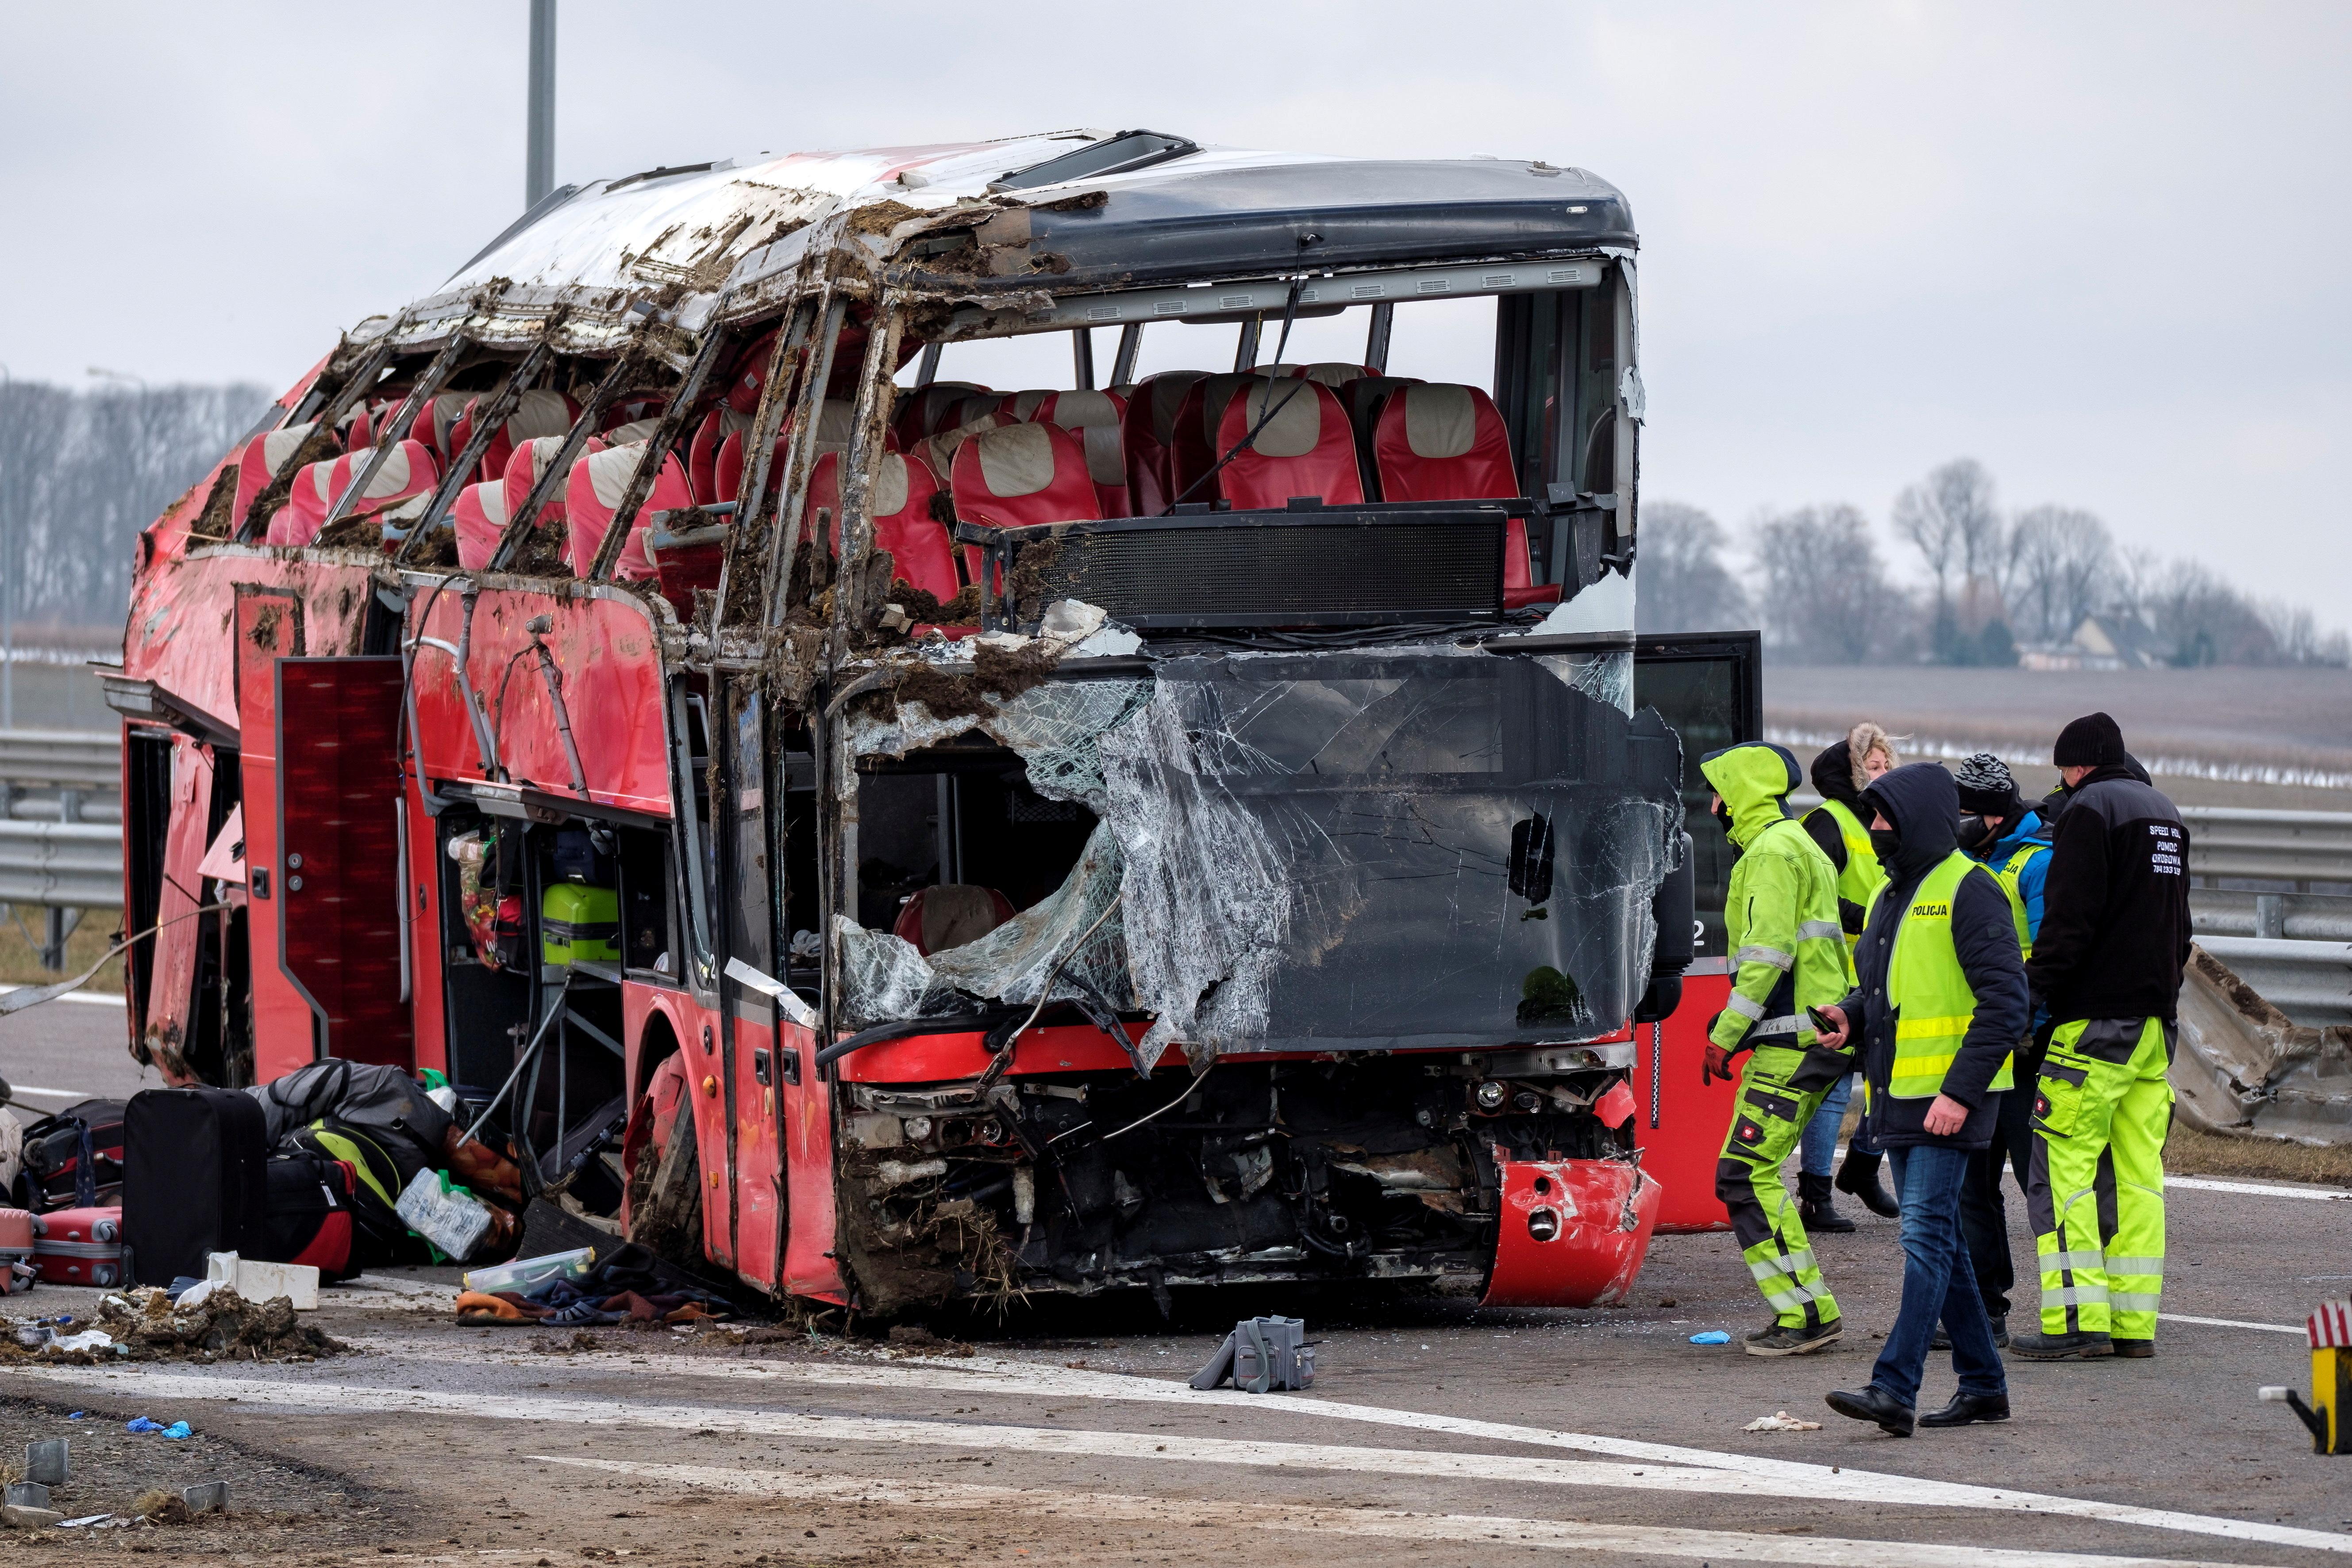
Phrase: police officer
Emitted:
{"points": [[2106, 969], [1939, 1004], [1781, 916], [1999, 832]]}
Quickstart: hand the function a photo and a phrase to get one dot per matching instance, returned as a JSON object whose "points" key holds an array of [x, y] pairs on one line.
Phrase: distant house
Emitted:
{"points": [[2100, 642]]}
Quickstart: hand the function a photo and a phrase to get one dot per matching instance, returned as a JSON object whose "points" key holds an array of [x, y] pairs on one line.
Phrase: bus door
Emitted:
{"points": [[1709, 686], [743, 788]]}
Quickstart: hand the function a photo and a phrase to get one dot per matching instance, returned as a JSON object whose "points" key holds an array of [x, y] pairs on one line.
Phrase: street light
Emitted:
{"points": [[102, 374]]}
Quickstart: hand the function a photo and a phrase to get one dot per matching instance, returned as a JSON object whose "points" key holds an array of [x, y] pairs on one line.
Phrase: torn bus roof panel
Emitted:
{"points": [[1431, 846]]}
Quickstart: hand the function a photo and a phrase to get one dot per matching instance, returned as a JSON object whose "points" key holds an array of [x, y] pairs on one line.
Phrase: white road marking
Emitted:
{"points": [[2259, 1189], [2230, 1323], [1394, 1524], [1700, 1470], [95, 998]]}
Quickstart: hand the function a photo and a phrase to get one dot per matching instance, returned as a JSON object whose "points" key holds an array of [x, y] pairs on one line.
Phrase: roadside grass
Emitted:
{"points": [[2190, 1153], [20, 950]]}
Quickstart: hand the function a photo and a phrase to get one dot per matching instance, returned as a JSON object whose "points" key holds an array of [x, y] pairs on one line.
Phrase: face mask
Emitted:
{"points": [[1723, 816], [1887, 843], [1974, 831]]}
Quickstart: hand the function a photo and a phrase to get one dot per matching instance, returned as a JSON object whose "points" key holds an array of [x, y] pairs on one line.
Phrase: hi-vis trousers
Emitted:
{"points": [[1766, 1122], [2096, 1193]]}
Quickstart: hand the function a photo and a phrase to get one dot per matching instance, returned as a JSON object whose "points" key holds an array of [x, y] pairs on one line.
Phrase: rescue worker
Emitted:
{"points": [[1780, 918], [1938, 1005], [2106, 971], [1999, 832], [1841, 772]]}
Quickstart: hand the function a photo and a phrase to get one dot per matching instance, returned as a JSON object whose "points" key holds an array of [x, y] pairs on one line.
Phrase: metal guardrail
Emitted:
{"points": [[61, 759], [61, 864], [2310, 982], [2299, 847], [60, 826]]}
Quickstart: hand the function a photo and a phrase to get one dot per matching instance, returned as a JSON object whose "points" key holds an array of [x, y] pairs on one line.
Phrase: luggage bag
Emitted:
{"points": [[79, 1246], [194, 1180]]}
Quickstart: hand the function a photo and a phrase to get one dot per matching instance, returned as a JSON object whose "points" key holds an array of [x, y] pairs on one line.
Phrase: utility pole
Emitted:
{"points": [[539, 161]]}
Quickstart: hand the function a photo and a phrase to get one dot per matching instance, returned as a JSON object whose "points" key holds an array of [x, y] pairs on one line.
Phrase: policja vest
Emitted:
{"points": [[1928, 990], [2009, 873]]}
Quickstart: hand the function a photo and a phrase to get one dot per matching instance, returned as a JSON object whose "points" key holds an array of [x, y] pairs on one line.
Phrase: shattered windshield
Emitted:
{"points": [[1431, 847]]}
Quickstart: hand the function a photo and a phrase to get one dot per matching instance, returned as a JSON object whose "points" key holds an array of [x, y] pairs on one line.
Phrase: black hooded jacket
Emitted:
{"points": [[1923, 802], [1832, 774], [2114, 911]]}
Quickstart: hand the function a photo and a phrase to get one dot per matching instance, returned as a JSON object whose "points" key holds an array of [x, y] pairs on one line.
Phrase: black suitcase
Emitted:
{"points": [[194, 1180], [73, 1159], [310, 1216]]}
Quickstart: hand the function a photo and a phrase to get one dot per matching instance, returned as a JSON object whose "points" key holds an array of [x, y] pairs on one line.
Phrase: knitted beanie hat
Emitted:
{"points": [[2093, 741], [1986, 788]]}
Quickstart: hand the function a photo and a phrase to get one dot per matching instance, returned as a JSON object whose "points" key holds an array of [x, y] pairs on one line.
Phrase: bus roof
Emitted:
{"points": [[716, 239]]}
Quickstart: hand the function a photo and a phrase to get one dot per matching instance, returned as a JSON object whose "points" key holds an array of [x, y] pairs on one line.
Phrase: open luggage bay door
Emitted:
{"points": [[341, 927]]}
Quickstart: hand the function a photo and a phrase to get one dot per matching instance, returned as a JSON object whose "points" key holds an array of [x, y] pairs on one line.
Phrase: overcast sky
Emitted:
{"points": [[2097, 246]]}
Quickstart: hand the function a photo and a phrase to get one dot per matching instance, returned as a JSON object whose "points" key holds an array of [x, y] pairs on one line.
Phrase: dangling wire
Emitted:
{"points": [[1266, 416]]}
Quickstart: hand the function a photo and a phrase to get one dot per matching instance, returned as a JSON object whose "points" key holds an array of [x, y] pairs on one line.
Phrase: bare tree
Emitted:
{"points": [[2203, 620], [1684, 586], [1827, 598], [1951, 516], [81, 474], [2062, 566]]}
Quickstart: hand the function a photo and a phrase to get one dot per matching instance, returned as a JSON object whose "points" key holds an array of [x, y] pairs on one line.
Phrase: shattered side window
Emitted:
{"points": [[1424, 847]]}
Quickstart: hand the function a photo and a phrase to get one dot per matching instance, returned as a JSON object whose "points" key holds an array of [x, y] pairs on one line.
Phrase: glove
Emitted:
{"points": [[1717, 1065]]}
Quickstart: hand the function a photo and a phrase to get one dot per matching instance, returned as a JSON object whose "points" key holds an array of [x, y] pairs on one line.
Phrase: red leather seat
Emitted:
{"points": [[523, 471], [1304, 448], [975, 406], [1147, 436], [1099, 420], [438, 418], [408, 471], [264, 457], [1023, 405], [594, 494], [539, 412], [1333, 373], [1197, 425], [703, 452], [751, 374], [921, 554], [925, 409], [949, 915], [1442, 442], [1022, 475], [634, 408], [1364, 396], [479, 516]]}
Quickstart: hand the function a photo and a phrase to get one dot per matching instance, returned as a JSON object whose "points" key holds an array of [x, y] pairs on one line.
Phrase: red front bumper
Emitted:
{"points": [[1573, 1233]]}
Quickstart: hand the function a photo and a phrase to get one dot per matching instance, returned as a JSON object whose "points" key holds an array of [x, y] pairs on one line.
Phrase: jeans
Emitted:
{"points": [[1820, 1147], [1984, 1211], [1936, 1281]]}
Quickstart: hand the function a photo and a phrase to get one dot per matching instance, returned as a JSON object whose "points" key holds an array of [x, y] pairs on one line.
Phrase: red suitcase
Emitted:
{"points": [[79, 1246]]}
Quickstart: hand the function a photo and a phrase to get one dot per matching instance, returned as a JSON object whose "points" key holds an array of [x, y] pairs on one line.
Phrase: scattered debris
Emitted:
{"points": [[1262, 1356], [16, 1516], [1782, 1422], [48, 1462], [1711, 1337], [145, 1325], [906, 1339], [143, 1424]]}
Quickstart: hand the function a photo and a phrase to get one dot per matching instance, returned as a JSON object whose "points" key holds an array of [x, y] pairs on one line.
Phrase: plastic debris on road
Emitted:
{"points": [[1782, 1422], [1712, 1337]]}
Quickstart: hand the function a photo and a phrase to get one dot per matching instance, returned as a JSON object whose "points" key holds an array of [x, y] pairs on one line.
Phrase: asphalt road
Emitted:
{"points": [[1435, 1434], [66, 1050]]}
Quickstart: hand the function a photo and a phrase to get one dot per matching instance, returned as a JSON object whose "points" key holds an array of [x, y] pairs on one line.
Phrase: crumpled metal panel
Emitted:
{"points": [[1427, 847], [1573, 1233], [2242, 1068]]}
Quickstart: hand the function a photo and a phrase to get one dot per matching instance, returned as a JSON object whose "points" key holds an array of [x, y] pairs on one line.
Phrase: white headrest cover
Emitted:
{"points": [[609, 471], [1024, 405], [891, 487], [539, 412], [1077, 410], [1017, 460], [278, 447], [1106, 454], [636, 430], [491, 496], [1439, 421], [1297, 422]]}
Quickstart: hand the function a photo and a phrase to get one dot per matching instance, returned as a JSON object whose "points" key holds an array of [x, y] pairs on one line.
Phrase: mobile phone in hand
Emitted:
{"points": [[1823, 1022]]}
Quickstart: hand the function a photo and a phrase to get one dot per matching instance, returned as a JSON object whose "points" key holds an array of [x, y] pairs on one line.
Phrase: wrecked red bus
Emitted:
{"points": [[961, 722]]}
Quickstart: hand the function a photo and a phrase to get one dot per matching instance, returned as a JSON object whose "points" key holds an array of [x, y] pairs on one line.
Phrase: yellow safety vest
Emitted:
{"points": [[2009, 873], [1862, 875], [1928, 990]]}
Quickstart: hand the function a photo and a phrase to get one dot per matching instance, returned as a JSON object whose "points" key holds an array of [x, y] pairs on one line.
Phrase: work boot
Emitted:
{"points": [[1858, 1174], [1781, 1340], [2134, 1350], [1814, 1207], [1967, 1408], [2088, 1346], [1876, 1405]]}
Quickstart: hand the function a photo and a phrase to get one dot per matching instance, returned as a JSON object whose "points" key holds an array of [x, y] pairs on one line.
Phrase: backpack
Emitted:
{"points": [[74, 1159], [379, 1236], [309, 1214]]}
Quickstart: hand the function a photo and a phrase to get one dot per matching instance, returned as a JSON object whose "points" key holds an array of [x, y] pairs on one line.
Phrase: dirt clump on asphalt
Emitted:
{"points": [[144, 1326]]}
